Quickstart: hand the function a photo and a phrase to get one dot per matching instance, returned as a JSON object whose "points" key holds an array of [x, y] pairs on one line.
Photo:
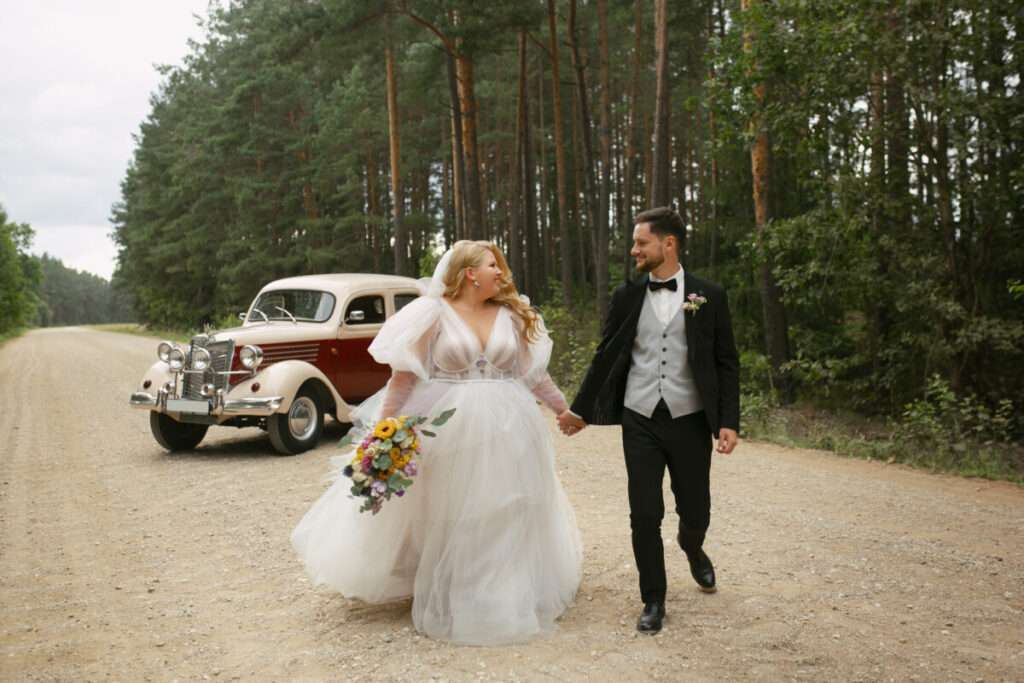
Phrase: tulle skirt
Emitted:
{"points": [[485, 541]]}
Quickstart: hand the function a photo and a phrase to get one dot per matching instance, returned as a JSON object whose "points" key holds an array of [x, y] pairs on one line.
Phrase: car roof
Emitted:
{"points": [[338, 282]]}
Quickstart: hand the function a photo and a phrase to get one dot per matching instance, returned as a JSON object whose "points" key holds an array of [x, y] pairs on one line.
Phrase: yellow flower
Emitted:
{"points": [[386, 428]]}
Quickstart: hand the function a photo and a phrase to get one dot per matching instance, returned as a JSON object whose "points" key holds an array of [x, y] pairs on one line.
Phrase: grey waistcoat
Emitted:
{"points": [[660, 368]]}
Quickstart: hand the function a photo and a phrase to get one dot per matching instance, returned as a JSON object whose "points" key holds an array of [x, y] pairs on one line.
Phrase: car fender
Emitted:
{"points": [[158, 375], [284, 379]]}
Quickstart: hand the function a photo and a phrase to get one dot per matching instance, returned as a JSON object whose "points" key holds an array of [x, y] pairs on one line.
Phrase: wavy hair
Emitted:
{"points": [[472, 254]]}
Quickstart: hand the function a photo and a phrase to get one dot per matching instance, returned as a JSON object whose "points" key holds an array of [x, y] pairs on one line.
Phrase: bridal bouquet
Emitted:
{"points": [[384, 462]]}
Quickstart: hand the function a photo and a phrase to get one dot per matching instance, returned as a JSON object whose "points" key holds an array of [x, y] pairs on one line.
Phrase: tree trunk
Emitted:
{"points": [[661, 180], [524, 170], [373, 205], [458, 156], [775, 327], [601, 257], [474, 192], [631, 150], [547, 265], [563, 219], [585, 127], [401, 236]]}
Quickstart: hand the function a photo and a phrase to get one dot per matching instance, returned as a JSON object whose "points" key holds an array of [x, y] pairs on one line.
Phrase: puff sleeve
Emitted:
{"points": [[535, 354], [404, 340]]}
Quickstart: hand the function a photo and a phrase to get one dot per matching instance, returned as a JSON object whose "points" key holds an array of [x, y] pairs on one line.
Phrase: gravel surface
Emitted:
{"points": [[119, 561]]}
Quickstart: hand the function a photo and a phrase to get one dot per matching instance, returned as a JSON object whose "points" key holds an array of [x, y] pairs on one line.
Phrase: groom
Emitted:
{"points": [[667, 371]]}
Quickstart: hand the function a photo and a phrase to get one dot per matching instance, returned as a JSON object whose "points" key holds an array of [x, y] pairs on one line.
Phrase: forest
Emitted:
{"points": [[851, 172], [42, 291]]}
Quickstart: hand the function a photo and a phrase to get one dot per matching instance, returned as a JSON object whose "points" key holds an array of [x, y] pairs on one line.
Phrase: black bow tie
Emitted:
{"points": [[667, 284]]}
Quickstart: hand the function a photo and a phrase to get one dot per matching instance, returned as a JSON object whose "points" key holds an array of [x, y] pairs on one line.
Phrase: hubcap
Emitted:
{"points": [[302, 418]]}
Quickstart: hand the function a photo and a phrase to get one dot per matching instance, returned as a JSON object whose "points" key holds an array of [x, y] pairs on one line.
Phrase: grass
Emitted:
{"points": [[182, 336], [10, 334], [852, 435]]}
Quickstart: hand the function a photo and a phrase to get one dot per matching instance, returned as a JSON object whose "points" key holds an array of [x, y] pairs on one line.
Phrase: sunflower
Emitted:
{"points": [[385, 428]]}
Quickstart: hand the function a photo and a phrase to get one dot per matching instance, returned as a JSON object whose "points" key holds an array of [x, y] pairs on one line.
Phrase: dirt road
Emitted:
{"points": [[119, 561]]}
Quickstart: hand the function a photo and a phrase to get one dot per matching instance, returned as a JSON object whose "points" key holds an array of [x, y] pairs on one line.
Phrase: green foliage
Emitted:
{"points": [[895, 177], [19, 276], [575, 334], [72, 297], [948, 431]]}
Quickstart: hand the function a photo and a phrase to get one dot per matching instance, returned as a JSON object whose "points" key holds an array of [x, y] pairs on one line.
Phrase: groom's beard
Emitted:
{"points": [[650, 263]]}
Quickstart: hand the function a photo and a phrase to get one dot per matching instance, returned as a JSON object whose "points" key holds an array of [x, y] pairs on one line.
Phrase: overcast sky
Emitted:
{"points": [[75, 82]]}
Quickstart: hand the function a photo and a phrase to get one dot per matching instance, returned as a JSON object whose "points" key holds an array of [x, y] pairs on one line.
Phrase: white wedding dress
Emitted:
{"points": [[485, 540]]}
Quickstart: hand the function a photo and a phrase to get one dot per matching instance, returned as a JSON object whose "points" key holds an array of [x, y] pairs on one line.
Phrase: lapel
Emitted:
{"points": [[691, 285], [634, 303]]}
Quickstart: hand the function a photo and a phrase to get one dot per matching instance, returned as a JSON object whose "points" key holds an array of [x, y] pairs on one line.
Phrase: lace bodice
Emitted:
{"points": [[428, 341], [455, 352]]}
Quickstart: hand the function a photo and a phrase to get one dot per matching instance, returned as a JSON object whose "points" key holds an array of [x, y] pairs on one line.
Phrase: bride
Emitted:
{"points": [[485, 541]]}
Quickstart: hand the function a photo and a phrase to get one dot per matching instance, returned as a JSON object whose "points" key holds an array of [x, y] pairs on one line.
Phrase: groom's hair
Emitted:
{"points": [[665, 221]]}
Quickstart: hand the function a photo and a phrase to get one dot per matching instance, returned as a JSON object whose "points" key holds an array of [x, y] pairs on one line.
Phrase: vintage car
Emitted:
{"points": [[300, 354]]}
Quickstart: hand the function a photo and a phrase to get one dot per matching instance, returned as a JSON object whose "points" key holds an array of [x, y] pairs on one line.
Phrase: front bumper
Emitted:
{"points": [[162, 402]]}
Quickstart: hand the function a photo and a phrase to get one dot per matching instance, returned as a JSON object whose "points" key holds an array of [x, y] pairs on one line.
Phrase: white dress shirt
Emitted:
{"points": [[666, 302]]}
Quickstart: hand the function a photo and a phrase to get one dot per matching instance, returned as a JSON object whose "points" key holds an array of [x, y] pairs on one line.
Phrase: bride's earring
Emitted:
{"points": [[476, 283]]}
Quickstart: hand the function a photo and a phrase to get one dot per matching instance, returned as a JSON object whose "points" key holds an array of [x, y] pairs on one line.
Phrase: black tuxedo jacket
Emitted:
{"points": [[711, 351]]}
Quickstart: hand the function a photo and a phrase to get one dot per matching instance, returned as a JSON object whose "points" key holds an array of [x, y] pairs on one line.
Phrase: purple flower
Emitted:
{"points": [[399, 493], [367, 463], [379, 487], [410, 469]]}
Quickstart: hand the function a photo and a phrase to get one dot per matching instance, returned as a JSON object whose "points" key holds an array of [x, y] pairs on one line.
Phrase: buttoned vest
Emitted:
{"points": [[661, 369]]}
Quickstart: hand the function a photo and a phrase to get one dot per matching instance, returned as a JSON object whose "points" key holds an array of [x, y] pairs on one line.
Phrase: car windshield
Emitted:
{"points": [[304, 304]]}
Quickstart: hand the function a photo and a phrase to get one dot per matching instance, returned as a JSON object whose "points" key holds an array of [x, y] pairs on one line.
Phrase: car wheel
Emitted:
{"points": [[174, 435], [298, 429]]}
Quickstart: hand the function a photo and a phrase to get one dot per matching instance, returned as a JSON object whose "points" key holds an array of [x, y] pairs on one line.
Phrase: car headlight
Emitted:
{"points": [[164, 350], [200, 358], [250, 356], [176, 359]]}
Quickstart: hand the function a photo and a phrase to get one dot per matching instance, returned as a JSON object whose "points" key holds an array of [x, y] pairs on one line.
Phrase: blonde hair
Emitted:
{"points": [[472, 254]]}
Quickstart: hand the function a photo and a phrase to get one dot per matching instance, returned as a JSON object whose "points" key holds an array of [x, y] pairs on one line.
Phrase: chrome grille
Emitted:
{"points": [[220, 362]]}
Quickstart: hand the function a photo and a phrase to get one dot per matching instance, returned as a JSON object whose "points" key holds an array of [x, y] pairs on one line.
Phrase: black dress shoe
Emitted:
{"points": [[702, 570], [651, 618]]}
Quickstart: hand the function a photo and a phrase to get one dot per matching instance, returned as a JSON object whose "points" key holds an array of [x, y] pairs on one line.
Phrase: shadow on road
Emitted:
{"points": [[249, 443]]}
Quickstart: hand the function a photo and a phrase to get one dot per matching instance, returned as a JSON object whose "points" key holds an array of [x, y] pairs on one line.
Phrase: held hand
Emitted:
{"points": [[569, 423], [727, 440]]}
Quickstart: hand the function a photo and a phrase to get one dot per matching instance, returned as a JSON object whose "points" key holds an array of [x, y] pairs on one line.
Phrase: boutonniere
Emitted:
{"points": [[693, 302]]}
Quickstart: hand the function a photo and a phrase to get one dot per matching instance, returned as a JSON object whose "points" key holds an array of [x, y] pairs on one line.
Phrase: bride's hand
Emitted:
{"points": [[570, 424]]}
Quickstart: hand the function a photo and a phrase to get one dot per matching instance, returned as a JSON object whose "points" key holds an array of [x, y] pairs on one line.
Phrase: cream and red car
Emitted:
{"points": [[300, 354]]}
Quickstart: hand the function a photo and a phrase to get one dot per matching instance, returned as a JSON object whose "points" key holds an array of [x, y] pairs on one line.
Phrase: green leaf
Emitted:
{"points": [[443, 417], [427, 432]]}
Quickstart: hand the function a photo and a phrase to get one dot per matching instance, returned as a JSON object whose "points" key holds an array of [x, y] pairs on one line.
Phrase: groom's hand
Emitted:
{"points": [[727, 439], [569, 423]]}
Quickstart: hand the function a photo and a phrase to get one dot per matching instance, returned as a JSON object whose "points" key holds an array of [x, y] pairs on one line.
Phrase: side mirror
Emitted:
{"points": [[356, 317], [241, 316]]}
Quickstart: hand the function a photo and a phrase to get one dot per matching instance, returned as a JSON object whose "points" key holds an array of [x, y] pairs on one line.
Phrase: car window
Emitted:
{"points": [[370, 307], [404, 298], [302, 304]]}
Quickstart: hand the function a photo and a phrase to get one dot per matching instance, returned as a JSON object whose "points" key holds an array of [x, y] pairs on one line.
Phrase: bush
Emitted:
{"points": [[575, 334], [946, 431]]}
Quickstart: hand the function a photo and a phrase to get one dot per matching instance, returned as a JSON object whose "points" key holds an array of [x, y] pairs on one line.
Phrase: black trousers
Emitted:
{"points": [[683, 445]]}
